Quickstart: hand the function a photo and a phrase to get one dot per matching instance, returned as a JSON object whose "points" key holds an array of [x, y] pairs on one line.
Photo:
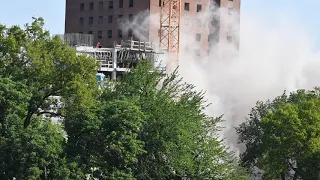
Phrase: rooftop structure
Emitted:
{"points": [[120, 58]]}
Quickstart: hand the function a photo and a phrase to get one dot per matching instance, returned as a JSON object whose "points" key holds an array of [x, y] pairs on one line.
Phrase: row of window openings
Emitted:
{"points": [[100, 19], [199, 8], [110, 20], [130, 34], [101, 5], [211, 37], [109, 33], [120, 5]]}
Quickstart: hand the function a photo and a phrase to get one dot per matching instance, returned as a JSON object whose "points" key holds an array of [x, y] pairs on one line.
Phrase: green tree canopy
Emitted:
{"points": [[35, 67], [283, 136], [47, 67], [142, 126], [162, 128]]}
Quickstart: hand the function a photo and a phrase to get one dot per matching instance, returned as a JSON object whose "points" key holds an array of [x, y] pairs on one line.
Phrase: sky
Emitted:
{"points": [[53, 11]]}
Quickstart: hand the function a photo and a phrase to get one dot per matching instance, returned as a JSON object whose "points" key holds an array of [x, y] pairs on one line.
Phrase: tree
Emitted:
{"points": [[143, 126], [35, 68], [283, 136], [159, 128], [46, 66]]}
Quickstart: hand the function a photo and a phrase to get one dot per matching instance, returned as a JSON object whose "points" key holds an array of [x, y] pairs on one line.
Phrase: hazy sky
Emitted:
{"points": [[53, 11]]}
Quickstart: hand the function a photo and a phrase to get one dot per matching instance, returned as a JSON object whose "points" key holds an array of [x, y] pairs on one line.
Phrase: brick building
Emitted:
{"points": [[102, 18]]}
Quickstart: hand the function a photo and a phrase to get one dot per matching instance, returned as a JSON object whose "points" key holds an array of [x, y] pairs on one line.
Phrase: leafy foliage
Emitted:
{"points": [[32, 57], [143, 126], [282, 136]]}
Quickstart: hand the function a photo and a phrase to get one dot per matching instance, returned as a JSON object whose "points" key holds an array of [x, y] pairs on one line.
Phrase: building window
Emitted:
{"points": [[80, 32], [110, 19], [120, 3], [130, 3], [100, 34], [119, 20], [197, 52], [229, 38], [109, 33], [199, 7], [101, 5], [186, 21], [91, 6], [130, 17], [81, 21], [90, 20], [82, 7], [187, 6], [90, 32], [130, 33], [198, 37], [120, 33], [100, 20], [198, 22], [230, 11], [110, 4]]}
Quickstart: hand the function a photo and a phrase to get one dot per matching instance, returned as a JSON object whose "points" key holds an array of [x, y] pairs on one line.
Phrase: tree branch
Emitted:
{"points": [[48, 112]]}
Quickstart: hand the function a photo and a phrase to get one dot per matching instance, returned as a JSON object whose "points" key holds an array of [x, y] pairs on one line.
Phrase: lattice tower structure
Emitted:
{"points": [[170, 18]]}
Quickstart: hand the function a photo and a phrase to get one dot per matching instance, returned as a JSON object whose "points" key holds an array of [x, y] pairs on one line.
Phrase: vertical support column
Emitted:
{"points": [[114, 63], [170, 31]]}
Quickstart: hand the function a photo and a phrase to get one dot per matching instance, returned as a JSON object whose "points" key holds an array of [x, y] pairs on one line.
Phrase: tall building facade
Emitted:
{"points": [[108, 20]]}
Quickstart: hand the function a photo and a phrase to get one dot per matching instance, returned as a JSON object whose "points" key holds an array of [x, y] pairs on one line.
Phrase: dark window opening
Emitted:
{"points": [[109, 33], [90, 32], [110, 19], [120, 3], [100, 5], [130, 3], [187, 6], [229, 38], [130, 33], [90, 20], [198, 37], [110, 4], [80, 32], [199, 7], [120, 33], [82, 7], [81, 21], [100, 20], [100, 34], [120, 18], [91, 6], [130, 17]]}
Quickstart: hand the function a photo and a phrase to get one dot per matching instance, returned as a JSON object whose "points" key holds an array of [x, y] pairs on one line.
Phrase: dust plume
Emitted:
{"points": [[271, 59]]}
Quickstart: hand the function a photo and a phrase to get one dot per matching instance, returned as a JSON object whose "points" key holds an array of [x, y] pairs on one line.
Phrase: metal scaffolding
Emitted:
{"points": [[77, 39], [170, 29], [122, 57]]}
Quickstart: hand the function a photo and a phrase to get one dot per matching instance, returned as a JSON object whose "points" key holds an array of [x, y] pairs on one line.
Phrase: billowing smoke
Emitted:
{"points": [[271, 59]]}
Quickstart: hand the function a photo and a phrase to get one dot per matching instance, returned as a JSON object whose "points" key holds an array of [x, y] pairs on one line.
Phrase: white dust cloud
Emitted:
{"points": [[271, 59]]}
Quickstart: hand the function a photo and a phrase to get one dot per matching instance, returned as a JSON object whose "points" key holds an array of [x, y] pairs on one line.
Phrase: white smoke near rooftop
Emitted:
{"points": [[271, 59]]}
